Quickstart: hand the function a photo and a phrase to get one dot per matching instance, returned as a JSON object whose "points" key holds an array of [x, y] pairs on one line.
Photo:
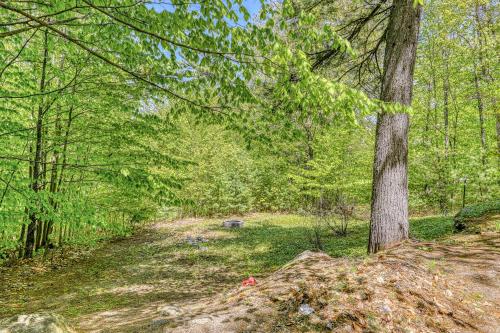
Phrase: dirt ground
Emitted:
{"points": [[152, 283], [119, 287]]}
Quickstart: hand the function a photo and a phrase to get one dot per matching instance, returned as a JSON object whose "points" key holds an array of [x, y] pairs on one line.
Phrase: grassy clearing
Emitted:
{"points": [[269, 241], [158, 265]]}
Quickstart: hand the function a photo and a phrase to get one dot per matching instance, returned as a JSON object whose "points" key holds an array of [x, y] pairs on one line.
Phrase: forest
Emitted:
{"points": [[339, 127]]}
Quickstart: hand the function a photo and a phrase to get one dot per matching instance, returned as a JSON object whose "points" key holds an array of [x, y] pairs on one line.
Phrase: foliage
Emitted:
{"points": [[453, 139], [113, 115], [475, 212], [84, 153]]}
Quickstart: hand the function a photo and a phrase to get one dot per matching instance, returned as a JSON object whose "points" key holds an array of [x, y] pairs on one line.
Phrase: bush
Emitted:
{"points": [[470, 217]]}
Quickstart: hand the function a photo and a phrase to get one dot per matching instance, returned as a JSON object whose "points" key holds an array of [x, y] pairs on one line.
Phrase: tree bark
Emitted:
{"points": [[446, 115], [497, 117], [480, 74], [389, 210], [446, 110], [35, 182]]}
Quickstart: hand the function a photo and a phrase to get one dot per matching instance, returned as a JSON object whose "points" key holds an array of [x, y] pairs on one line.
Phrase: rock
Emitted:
{"points": [[158, 323], [191, 241], [232, 224], [170, 311], [200, 239], [35, 323], [305, 309], [196, 241], [386, 309]]}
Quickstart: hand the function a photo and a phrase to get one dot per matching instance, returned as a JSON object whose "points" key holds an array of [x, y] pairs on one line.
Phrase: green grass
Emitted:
{"points": [[269, 241], [475, 218], [479, 210], [431, 228]]}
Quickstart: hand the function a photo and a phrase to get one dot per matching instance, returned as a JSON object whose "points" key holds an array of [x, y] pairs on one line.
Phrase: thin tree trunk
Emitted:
{"points": [[65, 147], [21, 240], [35, 183], [480, 109], [389, 209], [53, 177], [491, 21], [446, 113], [479, 74], [497, 117], [42, 224], [22, 237], [426, 138], [38, 234], [446, 110]]}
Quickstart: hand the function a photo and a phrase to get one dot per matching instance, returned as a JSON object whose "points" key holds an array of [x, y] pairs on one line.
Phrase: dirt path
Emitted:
{"points": [[136, 284], [135, 277]]}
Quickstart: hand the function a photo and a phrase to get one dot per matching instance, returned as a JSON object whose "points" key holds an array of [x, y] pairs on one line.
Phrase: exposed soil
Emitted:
{"points": [[152, 282], [121, 286], [416, 287]]}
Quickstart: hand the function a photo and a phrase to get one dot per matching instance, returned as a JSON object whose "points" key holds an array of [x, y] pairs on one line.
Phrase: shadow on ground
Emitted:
{"points": [[126, 285]]}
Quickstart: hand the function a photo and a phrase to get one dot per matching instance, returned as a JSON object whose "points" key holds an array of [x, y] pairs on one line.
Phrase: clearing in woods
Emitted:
{"points": [[133, 284]]}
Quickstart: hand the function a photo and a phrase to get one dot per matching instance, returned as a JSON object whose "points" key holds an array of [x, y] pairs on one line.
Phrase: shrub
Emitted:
{"points": [[469, 217]]}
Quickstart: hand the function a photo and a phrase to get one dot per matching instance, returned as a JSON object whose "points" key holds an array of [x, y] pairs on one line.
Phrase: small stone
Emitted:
{"points": [[200, 239], [305, 309], [232, 224], [158, 323], [386, 308], [191, 241], [169, 311]]}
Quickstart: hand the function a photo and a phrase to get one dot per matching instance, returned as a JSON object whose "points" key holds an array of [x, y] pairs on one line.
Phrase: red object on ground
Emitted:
{"points": [[249, 282]]}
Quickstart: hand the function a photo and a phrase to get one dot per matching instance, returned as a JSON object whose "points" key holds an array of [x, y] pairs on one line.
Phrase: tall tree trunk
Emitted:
{"points": [[426, 137], [22, 237], [492, 22], [446, 115], [480, 74], [53, 177], [480, 109], [446, 110], [35, 182], [389, 209], [497, 117], [42, 224]]}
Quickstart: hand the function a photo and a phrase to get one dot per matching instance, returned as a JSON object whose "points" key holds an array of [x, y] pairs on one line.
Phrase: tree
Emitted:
{"points": [[451, 64], [389, 209], [77, 79]]}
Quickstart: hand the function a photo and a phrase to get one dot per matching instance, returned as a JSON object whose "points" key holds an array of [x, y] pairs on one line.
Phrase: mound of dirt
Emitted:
{"points": [[416, 287]]}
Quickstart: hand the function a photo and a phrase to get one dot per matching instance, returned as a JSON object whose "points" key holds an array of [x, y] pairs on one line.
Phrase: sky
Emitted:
{"points": [[253, 7]]}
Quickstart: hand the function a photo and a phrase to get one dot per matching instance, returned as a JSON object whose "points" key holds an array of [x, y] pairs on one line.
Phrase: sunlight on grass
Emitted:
{"points": [[267, 242], [159, 265]]}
